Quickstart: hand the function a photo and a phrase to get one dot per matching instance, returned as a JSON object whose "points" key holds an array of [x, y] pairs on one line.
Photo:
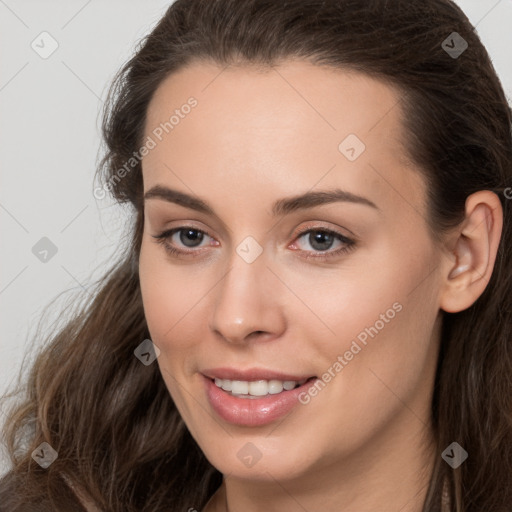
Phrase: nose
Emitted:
{"points": [[247, 303]]}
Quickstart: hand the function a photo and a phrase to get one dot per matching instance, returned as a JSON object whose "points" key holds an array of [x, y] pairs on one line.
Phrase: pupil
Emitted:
{"points": [[189, 235], [320, 240]]}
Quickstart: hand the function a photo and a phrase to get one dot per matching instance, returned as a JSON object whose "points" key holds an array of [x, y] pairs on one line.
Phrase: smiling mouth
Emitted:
{"points": [[257, 388]]}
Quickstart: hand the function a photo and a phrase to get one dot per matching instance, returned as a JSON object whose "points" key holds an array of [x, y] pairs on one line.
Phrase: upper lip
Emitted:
{"points": [[251, 374]]}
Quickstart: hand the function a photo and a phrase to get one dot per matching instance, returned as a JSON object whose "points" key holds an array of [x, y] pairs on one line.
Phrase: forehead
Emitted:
{"points": [[288, 128]]}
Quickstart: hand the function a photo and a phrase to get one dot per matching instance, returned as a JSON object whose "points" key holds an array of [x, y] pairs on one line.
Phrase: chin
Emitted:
{"points": [[257, 457]]}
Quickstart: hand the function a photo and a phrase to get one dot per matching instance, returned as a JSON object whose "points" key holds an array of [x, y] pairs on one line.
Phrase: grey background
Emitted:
{"points": [[50, 139]]}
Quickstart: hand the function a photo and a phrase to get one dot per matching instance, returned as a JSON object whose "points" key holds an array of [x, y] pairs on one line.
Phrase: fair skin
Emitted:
{"points": [[364, 442]]}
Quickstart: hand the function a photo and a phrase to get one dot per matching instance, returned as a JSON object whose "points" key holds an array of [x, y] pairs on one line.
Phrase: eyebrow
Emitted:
{"points": [[280, 207]]}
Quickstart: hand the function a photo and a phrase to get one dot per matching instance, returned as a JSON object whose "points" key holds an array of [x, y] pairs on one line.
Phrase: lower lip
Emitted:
{"points": [[252, 412]]}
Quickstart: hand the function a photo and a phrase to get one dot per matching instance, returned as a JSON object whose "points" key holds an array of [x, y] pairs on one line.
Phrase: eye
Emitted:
{"points": [[189, 236], [321, 240]]}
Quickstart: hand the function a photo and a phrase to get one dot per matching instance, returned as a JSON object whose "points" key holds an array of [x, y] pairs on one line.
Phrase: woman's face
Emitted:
{"points": [[310, 257]]}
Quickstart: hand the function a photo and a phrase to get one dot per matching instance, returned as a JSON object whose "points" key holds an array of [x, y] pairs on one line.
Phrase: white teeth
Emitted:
{"points": [[275, 386], [288, 384], [239, 387], [257, 387], [224, 384]]}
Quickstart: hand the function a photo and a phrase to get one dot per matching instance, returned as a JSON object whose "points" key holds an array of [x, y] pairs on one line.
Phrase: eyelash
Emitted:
{"points": [[349, 244]]}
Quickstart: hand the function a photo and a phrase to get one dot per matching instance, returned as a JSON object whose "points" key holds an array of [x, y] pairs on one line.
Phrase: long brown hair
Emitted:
{"points": [[111, 419]]}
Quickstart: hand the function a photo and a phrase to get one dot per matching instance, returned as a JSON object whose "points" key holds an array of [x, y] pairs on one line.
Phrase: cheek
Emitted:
{"points": [[172, 300], [388, 348], [158, 297], [365, 300], [380, 317], [170, 307], [382, 356], [159, 294]]}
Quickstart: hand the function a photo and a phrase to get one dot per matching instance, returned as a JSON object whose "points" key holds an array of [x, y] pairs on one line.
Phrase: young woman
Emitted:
{"points": [[314, 312]]}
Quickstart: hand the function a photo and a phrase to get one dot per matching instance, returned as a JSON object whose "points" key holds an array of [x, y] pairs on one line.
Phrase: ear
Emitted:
{"points": [[470, 261]]}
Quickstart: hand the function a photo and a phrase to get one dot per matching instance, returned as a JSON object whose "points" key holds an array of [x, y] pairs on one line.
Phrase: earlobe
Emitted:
{"points": [[475, 252]]}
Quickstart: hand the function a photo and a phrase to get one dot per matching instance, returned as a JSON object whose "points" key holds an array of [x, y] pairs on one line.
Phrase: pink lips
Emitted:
{"points": [[251, 412]]}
